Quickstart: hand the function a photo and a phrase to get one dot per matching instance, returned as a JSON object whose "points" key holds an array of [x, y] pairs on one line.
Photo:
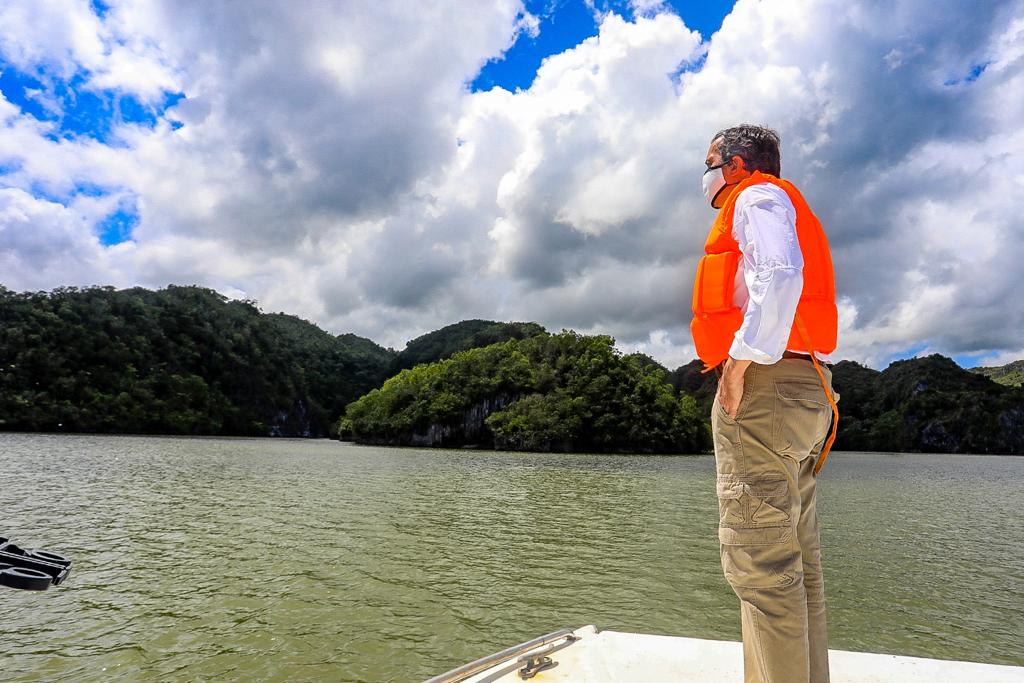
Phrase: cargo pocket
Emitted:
{"points": [[769, 503], [800, 419], [756, 534], [753, 512]]}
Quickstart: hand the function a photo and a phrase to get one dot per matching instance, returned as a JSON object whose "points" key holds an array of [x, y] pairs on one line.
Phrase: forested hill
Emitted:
{"points": [[460, 336], [181, 360], [561, 392], [928, 404], [1011, 374], [573, 392], [186, 360]]}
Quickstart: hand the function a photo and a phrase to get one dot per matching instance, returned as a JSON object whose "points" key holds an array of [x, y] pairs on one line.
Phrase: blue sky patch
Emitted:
{"points": [[76, 110], [964, 360], [696, 65], [905, 354], [91, 190], [100, 8], [566, 23], [970, 360], [704, 16], [971, 76], [40, 191], [976, 71], [11, 166], [118, 226]]}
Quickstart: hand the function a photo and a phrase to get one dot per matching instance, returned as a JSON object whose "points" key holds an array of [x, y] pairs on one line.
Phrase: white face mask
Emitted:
{"points": [[714, 183]]}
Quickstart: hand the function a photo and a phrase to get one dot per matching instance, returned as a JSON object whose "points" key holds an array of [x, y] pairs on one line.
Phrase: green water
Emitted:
{"points": [[288, 560]]}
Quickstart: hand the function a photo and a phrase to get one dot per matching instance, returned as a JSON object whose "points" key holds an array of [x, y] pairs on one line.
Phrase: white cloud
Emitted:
{"points": [[62, 38], [333, 164], [44, 244]]}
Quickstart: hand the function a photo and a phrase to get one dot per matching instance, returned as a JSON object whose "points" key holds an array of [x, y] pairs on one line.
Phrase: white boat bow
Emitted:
{"points": [[587, 655]]}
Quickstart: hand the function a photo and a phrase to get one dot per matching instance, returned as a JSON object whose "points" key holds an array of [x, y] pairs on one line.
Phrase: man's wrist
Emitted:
{"points": [[734, 366]]}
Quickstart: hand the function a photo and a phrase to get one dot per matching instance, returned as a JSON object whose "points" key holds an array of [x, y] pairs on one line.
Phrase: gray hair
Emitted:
{"points": [[758, 146]]}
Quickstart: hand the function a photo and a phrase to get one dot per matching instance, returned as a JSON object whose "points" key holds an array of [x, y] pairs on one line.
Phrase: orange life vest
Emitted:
{"points": [[716, 319]]}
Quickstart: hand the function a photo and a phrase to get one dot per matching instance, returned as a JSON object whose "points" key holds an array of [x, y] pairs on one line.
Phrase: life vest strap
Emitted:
{"points": [[805, 335]]}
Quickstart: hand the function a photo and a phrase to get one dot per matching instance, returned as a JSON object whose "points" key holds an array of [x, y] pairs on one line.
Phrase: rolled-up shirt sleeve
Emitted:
{"points": [[765, 228]]}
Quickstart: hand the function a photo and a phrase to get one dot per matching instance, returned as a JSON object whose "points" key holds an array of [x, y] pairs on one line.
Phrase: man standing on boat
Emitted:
{"points": [[764, 315]]}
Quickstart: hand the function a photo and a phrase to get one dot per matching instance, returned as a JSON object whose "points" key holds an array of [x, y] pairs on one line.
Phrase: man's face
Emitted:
{"points": [[715, 182], [734, 171]]}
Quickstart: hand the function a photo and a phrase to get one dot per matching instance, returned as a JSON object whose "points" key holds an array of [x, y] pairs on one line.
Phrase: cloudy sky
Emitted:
{"points": [[387, 167]]}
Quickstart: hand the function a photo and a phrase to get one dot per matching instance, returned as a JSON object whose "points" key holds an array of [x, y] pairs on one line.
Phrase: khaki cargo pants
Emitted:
{"points": [[768, 527]]}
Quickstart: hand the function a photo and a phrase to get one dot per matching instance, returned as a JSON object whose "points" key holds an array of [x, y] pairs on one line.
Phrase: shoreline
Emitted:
{"points": [[460, 449]]}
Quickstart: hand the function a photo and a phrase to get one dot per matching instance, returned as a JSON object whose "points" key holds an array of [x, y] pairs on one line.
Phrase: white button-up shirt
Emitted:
{"points": [[769, 284]]}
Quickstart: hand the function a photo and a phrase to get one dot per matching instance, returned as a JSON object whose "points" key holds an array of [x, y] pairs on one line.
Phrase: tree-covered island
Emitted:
{"points": [[564, 392]]}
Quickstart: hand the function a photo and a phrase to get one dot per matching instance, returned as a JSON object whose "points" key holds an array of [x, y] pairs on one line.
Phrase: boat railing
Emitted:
{"points": [[476, 666]]}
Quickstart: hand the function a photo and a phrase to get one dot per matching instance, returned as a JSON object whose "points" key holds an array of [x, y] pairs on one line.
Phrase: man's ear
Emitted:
{"points": [[738, 169]]}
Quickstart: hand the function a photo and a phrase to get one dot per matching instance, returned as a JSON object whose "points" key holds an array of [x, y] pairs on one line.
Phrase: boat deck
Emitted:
{"points": [[614, 656]]}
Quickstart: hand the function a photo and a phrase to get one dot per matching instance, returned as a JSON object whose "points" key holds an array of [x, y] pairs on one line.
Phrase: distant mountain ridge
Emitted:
{"points": [[1011, 374], [187, 360], [926, 404]]}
